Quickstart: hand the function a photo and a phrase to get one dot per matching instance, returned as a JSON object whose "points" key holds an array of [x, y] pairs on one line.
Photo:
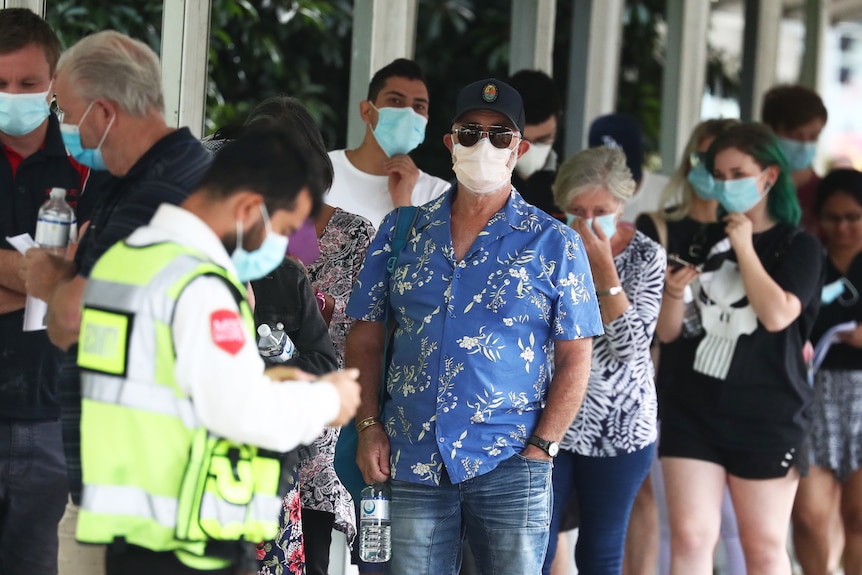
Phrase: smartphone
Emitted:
{"points": [[675, 262]]}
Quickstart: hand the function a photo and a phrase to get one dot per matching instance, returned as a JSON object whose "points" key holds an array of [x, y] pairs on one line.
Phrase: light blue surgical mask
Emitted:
{"points": [[90, 157], [841, 290], [607, 223], [258, 263], [831, 292], [799, 154], [399, 130], [738, 196], [20, 114], [702, 182]]}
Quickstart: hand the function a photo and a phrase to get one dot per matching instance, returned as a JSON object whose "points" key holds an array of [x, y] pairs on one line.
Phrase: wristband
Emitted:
{"points": [[672, 296], [366, 423], [321, 300]]}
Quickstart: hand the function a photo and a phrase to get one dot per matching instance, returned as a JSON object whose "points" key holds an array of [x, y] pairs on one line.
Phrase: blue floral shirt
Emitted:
{"points": [[473, 339]]}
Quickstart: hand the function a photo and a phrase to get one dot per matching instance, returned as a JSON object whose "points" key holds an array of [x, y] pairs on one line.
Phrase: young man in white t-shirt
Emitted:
{"points": [[378, 176]]}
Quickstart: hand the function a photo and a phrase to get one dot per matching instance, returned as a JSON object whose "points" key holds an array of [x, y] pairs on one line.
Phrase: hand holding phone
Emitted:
{"points": [[675, 262]]}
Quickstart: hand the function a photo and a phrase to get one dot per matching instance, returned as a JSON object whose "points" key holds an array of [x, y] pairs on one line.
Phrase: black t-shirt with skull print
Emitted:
{"points": [[745, 387]]}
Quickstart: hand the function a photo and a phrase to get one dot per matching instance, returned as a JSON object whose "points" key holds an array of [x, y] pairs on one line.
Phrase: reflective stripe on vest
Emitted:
{"points": [[148, 465]]}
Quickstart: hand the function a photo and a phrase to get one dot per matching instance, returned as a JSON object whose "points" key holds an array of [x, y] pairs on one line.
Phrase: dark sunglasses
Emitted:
{"points": [[499, 136]]}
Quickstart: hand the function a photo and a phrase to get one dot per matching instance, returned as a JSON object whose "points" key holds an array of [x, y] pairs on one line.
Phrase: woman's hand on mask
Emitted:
{"points": [[739, 231]]}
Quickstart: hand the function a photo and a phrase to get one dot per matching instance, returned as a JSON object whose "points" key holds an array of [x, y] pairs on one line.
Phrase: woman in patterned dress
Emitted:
{"points": [[607, 451], [834, 482]]}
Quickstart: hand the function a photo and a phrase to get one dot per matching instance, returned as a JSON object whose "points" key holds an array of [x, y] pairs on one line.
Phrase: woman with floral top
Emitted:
{"points": [[607, 451]]}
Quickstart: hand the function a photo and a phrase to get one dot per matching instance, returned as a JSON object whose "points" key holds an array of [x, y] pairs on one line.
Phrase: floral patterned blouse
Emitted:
{"points": [[469, 372], [343, 246]]}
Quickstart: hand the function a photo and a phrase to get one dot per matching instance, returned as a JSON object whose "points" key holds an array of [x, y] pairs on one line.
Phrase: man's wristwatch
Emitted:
{"points": [[610, 291], [552, 448]]}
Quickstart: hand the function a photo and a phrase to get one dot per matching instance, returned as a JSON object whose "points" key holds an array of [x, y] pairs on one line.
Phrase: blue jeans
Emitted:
{"points": [[504, 513], [33, 494], [606, 489]]}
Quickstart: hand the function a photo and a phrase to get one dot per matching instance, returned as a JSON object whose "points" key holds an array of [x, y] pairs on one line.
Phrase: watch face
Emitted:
{"points": [[553, 449]]}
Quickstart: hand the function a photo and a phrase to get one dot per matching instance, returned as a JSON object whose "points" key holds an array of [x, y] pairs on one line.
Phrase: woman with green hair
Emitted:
{"points": [[735, 412]]}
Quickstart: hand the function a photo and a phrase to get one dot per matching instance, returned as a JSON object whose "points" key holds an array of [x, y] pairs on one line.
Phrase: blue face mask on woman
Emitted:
{"points": [[20, 114], [702, 182], [90, 157], [607, 223], [799, 154], [738, 196], [399, 130], [258, 263]]}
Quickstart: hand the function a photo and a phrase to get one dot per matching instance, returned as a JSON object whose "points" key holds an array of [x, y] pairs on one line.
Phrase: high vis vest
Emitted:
{"points": [[153, 476]]}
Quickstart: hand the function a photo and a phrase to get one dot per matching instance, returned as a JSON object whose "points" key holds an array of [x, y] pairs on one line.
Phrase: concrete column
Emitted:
{"points": [[184, 57], [759, 54], [383, 30], [531, 45], [594, 65], [684, 76], [37, 6], [816, 15]]}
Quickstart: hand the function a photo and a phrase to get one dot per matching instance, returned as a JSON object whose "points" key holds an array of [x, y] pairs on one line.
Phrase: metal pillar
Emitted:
{"points": [[816, 22], [594, 64], [37, 6], [184, 57], [382, 31], [532, 36], [759, 54], [684, 76]]}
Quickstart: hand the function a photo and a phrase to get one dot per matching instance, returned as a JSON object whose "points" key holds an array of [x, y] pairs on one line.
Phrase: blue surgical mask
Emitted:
{"points": [[702, 182], [607, 223], [20, 114], [399, 130], [90, 157], [258, 263], [738, 196], [831, 292], [799, 154]]}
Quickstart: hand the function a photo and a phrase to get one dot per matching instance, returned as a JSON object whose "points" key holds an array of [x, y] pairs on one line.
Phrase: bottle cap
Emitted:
{"points": [[263, 330], [58, 194]]}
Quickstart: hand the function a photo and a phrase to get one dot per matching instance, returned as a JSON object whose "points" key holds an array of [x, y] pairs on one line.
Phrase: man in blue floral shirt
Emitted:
{"points": [[485, 287]]}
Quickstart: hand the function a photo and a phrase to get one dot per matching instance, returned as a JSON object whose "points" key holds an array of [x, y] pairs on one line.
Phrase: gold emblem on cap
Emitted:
{"points": [[489, 92]]}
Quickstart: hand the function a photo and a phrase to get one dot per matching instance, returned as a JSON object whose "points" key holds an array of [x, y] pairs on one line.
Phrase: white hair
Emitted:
{"points": [[593, 168], [114, 67]]}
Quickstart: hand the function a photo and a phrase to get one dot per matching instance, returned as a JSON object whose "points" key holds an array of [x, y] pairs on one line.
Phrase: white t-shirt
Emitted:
{"points": [[368, 195]]}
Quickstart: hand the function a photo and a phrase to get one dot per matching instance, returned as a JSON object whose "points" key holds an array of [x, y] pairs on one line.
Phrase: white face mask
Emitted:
{"points": [[533, 160], [482, 168]]}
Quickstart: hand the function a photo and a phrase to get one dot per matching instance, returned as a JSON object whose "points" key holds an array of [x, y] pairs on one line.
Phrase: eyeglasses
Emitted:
{"points": [[836, 219], [499, 136]]}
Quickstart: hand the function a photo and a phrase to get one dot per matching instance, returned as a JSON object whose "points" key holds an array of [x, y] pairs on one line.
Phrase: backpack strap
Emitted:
{"points": [[404, 219]]}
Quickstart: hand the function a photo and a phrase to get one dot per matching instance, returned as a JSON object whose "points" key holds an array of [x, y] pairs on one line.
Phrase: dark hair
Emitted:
{"points": [[844, 180], [790, 106], [19, 27], [270, 161], [759, 142], [290, 114], [401, 68], [539, 94]]}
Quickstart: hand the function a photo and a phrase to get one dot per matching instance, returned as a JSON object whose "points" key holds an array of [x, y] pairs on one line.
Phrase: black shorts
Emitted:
{"points": [[687, 441]]}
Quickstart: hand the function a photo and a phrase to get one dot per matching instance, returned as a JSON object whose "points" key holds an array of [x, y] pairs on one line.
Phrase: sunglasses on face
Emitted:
{"points": [[499, 136]]}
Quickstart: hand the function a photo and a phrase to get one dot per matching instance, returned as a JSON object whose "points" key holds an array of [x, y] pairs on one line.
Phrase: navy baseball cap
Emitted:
{"points": [[620, 131], [494, 95]]}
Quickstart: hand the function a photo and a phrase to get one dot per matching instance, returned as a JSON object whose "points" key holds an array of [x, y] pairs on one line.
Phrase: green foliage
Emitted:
{"points": [[260, 48]]}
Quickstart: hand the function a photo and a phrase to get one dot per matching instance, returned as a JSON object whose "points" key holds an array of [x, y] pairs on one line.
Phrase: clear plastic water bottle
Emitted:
{"points": [[375, 544], [276, 346], [56, 225]]}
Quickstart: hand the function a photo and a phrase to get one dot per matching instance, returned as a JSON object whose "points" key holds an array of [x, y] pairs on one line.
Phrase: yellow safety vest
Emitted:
{"points": [[153, 475]]}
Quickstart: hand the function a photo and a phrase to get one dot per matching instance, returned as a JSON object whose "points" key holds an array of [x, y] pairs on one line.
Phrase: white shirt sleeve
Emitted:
{"points": [[231, 395]]}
